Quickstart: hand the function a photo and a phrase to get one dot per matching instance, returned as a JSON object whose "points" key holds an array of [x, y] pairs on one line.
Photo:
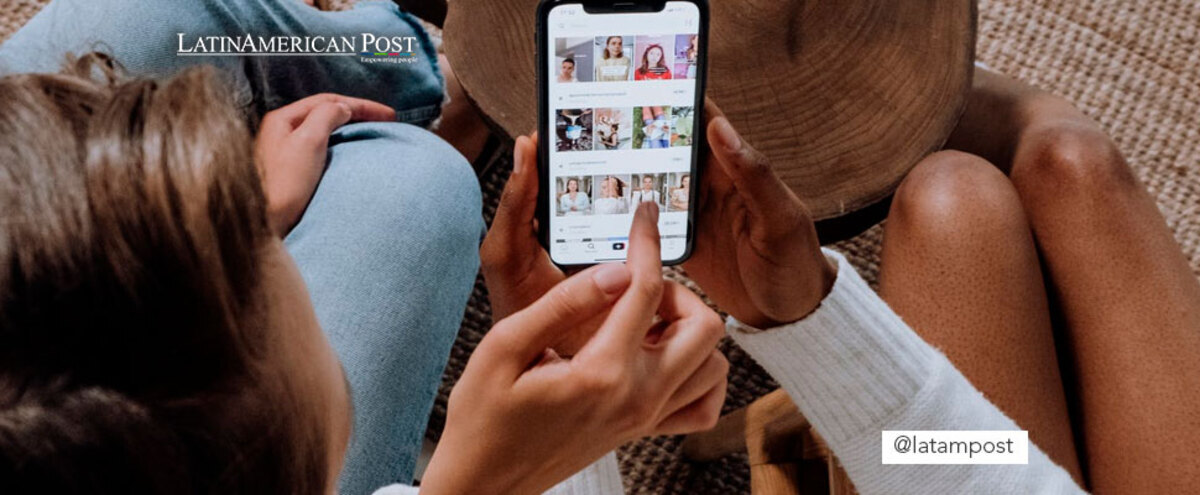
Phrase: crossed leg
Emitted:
{"points": [[1129, 302], [961, 264]]}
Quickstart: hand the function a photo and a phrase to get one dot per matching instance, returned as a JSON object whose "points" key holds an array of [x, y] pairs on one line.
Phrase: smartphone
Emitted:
{"points": [[621, 100]]}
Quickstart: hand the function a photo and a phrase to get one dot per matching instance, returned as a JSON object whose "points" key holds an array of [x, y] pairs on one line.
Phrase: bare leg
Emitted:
{"points": [[1130, 304], [1129, 301], [959, 265], [990, 126]]}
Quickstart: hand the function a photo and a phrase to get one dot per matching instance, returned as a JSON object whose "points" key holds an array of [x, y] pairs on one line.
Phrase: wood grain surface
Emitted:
{"points": [[843, 97]]}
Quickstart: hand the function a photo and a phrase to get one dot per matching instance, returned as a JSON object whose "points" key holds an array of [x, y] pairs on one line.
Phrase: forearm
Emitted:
{"points": [[855, 368], [600, 478]]}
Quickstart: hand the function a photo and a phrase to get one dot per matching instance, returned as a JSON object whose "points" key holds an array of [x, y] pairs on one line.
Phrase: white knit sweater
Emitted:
{"points": [[854, 369]]}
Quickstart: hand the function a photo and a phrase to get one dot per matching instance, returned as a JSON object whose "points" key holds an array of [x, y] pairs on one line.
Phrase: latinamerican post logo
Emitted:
{"points": [[370, 48]]}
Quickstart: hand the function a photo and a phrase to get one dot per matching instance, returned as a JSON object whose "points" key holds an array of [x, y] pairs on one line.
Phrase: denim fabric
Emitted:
{"points": [[389, 247], [144, 37]]}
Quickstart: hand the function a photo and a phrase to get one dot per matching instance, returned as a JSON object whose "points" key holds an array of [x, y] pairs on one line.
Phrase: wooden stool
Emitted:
{"points": [[843, 97], [786, 456]]}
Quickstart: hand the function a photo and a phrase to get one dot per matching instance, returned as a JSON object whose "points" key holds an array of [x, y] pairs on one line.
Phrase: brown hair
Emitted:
{"points": [[132, 342], [662, 61], [609, 40], [618, 186]]}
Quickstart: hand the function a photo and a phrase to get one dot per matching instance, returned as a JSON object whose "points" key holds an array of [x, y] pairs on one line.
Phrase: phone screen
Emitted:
{"points": [[622, 95]]}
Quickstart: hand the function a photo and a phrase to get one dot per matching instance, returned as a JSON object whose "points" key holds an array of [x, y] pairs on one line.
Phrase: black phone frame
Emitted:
{"points": [[544, 45]]}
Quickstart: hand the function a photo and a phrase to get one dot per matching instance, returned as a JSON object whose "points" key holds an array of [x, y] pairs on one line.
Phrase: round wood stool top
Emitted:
{"points": [[843, 97]]}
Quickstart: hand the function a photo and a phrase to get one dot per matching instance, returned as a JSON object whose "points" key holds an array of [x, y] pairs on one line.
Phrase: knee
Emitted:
{"points": [[1070, 159], [952, 194], [442, 189], [418, 186]]}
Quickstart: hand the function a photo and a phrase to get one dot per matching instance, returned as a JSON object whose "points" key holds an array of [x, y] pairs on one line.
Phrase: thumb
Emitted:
{"points": [[521, 339], [518, 202], [511, 245], [762, 191]]}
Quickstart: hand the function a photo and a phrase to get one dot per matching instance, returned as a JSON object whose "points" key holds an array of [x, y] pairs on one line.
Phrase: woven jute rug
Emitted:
{"points": [[1133, 66]]}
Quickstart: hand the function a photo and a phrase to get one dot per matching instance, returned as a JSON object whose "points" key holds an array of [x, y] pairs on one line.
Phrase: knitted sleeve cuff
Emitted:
{"points": [[850, 363]]}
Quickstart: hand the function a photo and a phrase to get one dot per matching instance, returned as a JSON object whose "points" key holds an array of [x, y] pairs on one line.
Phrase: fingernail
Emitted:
{"points": [[612, 278], [728, 135], [518, 158], [346, 108]]}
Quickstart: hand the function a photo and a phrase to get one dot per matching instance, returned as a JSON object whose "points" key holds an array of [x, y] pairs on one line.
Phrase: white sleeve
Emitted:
{"points": [[601, 478], [854, 368], [398, 489]]}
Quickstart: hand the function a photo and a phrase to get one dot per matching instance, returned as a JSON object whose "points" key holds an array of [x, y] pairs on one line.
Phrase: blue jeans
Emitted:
{"points": [[389, 248], [144, 37], [389, 244]]}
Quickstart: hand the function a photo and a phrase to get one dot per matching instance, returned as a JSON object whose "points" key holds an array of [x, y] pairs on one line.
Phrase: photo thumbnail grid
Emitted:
{"points": [[618, 58], [628, 128], [620, 194]]}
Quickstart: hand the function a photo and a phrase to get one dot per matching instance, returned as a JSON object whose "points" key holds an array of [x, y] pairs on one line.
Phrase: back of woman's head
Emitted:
{"points": [[132, 346]]}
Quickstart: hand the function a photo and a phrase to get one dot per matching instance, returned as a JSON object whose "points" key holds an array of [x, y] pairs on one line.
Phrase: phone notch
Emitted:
{"points": [[627, 7]]}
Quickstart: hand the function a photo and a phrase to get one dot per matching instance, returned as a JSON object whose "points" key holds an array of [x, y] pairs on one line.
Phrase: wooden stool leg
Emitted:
{"points": [[775, 479], [776, 442], [839, 481], [786, 456]]}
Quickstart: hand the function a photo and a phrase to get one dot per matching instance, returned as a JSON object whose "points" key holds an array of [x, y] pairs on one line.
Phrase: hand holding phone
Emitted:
{"points": [[757, 253], [516, 267]]}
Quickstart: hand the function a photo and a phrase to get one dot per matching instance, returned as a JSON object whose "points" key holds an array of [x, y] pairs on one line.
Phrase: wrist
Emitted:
{"points": [[279, 226], [281, 218], [453, 471], [816, 288], [453, 474], [827, 274], [811, 290]]}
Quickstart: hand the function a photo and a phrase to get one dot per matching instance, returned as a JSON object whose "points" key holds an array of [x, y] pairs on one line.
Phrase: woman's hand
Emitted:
{"points": [[516, 268], [522, 418], [292, 145], [757, 254]]}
